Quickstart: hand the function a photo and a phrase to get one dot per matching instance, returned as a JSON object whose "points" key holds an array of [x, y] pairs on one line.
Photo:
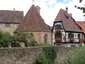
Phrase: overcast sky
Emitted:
{"points": [[49, 8]]}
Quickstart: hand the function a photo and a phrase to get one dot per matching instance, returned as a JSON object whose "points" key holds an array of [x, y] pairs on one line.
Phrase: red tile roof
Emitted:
{"points": [[68, 22], [50, 27], [82, 25], [8, 16], [32, 22]]}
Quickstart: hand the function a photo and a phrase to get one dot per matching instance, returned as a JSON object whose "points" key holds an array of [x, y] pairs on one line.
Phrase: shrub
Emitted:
{"points": [[33, 43], [45, 44], [15, 45], [47, 55], [4, 39], [77, 56]]}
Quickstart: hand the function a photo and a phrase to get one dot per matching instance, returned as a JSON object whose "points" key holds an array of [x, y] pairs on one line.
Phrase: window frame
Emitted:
{"points": [[7, 25]]}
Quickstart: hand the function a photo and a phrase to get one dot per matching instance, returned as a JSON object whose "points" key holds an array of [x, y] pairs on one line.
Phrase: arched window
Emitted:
{"points": [[45, 38], [31, 35]]}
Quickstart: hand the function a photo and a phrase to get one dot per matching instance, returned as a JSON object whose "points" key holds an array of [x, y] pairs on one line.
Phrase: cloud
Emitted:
{"points": [[49, 8]]}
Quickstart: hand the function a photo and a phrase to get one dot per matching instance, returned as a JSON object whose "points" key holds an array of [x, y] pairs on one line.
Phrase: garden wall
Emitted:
{"points": [[62, 54], [18, 55], [28, 55]]}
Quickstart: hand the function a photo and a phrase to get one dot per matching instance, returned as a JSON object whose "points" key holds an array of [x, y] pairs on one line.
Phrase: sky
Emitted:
{"points": [[49, 8]]}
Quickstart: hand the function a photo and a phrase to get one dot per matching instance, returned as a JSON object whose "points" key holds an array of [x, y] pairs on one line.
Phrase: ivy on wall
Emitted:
{"points": [[47, 55]]}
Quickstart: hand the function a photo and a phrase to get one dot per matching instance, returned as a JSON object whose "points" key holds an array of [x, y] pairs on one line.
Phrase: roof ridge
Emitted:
{"points": [[68, 23], [33, 22]]}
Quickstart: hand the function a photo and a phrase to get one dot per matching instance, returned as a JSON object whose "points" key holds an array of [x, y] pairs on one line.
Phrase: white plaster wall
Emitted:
{"points": [[63, 36], [67, 39], [76, 37]]}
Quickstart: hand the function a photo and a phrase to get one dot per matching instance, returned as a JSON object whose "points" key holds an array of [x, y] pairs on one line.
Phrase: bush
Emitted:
{"points": [[15, 45], [33, 43], [47, 55], [77, 56], [4, 39], [45, 44]]}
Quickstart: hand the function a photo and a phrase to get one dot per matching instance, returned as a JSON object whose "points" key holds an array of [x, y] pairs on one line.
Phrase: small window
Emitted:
{"points": [[61, 26], [7, 25], [55, 27], [70, 35], [45, 38], [60, 35], [78, 35]]}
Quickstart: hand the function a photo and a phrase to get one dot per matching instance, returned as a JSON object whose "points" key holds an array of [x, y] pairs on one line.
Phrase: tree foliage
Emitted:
{"points": [[47, 55], [7, 40], [80, 1]]}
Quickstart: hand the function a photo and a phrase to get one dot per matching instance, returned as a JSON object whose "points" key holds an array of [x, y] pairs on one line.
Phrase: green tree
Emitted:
{"points": [[27, 38], [4, 39]]}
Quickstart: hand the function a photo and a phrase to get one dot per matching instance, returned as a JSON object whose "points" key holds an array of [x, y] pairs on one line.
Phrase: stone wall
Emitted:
{"points": [[29, 55], [62, 54], [18, 55]]}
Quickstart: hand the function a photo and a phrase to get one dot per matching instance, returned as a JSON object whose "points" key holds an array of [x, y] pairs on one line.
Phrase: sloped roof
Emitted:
{"points": [[68, 22], [32, 22], [8, 16], [82, 25]]}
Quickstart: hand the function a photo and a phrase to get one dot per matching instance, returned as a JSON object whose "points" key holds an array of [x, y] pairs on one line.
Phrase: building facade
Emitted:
{"points": [[82, 25], [9, 20], [65, 29], [35, 26]]}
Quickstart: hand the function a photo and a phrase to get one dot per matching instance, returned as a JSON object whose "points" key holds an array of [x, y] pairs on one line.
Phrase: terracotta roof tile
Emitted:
{"points": [[82, 25], [32, 22], [68, 22], [8, 16]]}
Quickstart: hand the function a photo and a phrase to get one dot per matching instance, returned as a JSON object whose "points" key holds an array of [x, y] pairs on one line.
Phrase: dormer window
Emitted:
{"points": [[59, 27]]}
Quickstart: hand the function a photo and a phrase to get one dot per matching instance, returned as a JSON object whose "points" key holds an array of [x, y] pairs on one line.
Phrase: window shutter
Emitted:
{"points": [[60, 35], [72, 35], [78, 35], [68, 35], [61, 26], [55, 27]]}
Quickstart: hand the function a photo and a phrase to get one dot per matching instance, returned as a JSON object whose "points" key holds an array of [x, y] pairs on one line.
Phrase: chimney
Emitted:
{"points": [[38, 9], [67, 9], [13, 9], [70, 14]]}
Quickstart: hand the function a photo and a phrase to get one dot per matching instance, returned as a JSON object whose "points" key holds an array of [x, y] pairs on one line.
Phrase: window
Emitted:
{"points": [[61, 26], [58, 35], [58, 26], [45, 38], [78, 35], [7, 25], [70, 35], [55, 27], [84, 36]]}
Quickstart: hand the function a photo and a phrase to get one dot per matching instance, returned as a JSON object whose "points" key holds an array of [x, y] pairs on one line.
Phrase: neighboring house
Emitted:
{"points": [[82, 25], [35, 25], [65, 29], [9, 20]]}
